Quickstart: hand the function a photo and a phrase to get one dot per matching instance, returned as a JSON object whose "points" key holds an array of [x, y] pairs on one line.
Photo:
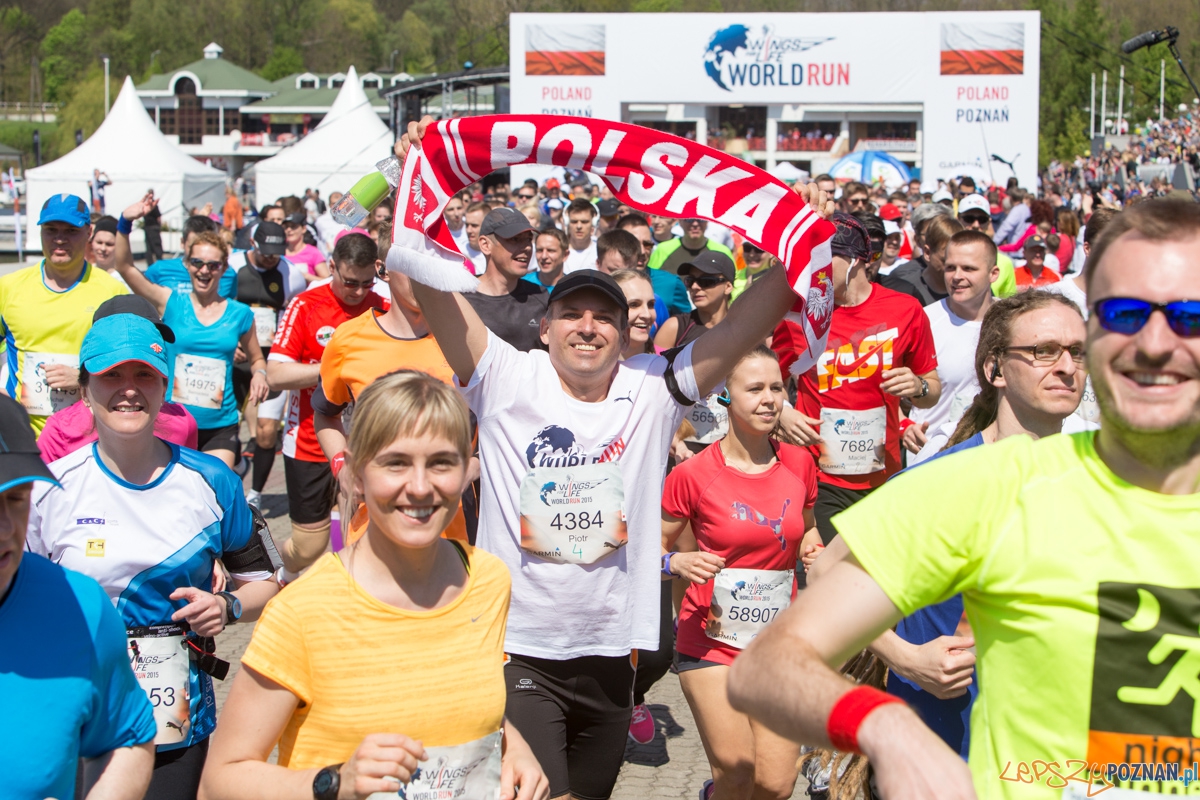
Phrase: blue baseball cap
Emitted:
{"points": [[121, 338], [66, 208]]}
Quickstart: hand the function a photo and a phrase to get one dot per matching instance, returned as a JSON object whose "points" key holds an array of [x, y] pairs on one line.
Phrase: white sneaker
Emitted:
{"points": [[254, 499]]}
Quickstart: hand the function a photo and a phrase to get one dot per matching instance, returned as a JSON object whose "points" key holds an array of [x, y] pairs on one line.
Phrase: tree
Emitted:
{"points": [[84, 111], [66, 53], [284, 61]]}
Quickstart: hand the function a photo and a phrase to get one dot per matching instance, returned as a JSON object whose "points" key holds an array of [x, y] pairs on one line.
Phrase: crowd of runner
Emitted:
{"points": [[513, 511]]}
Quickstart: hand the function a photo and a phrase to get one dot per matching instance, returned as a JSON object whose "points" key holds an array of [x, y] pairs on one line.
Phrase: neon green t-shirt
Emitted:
{"points": [[1006, 284], [1083, 594], [42, 326]]}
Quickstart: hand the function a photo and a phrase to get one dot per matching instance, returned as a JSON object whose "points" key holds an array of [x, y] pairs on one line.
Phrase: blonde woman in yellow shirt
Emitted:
{"points": [[382, 667]]}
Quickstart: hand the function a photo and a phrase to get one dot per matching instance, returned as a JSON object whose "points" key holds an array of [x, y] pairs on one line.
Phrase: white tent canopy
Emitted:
{"points": [[345, 146], [135, 156]]}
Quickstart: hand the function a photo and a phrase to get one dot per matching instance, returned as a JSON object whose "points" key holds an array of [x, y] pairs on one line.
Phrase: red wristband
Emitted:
{"points": [[849, 712], [904, 424], [336, 463]]}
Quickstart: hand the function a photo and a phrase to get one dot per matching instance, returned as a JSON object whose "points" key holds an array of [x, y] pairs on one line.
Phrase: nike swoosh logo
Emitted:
{"points": [[475, 619], [853, 366]]}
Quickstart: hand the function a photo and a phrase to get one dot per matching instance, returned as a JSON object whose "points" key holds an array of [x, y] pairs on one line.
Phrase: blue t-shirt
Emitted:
{"points": [[65, 678], [217, 341], [532, 277], [949, 719], [172, 274]]}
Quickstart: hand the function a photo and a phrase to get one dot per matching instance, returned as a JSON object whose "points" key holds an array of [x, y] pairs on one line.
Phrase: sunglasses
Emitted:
{"points": [[1128, 315], [857, 201], [200, 264], [526, 196], [751, 253], [974, 219], [704, 281], [1050, 352], [355, 284]]}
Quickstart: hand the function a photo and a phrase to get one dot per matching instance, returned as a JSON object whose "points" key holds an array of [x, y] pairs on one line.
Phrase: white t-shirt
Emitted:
{"points": [[889, 270], [478, 259], [954, 340], [1087, 416], [580, 259], [327, 231], [460, 237], [526, 421]]}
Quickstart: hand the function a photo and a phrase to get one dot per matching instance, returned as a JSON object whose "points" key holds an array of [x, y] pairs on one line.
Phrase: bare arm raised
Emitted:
{"points": [[159, 295]]}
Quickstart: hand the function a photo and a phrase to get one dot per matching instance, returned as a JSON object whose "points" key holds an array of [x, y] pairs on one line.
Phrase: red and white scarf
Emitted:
{"points": [[645, 169]]}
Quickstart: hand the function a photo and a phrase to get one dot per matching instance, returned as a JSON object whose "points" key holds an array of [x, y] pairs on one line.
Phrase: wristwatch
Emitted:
{"points": [[327, 783], [924, 389], [233, 607]]}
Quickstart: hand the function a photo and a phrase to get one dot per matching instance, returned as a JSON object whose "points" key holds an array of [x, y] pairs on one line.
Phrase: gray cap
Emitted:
{"points": [[710, 262], [504, 222]]}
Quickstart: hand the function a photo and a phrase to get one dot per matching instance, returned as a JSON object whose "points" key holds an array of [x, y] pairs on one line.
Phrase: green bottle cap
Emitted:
{"points": [[370, 190]]}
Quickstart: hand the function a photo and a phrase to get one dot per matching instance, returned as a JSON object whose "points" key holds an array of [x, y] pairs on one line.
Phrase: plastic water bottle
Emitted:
{"points": [[371, 189]]}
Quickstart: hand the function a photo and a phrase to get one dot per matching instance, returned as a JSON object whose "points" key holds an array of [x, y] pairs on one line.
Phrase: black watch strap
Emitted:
{"points": [[327, 783], [228, 598]]}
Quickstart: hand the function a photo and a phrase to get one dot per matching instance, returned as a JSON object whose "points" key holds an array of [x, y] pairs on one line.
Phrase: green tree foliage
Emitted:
{"points": [[284, 61], [85, 111], [66, 52]]}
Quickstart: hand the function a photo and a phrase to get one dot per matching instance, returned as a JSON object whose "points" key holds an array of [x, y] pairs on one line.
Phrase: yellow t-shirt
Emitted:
{"points": [[360, 666], [1081, 589], [42, 326]]}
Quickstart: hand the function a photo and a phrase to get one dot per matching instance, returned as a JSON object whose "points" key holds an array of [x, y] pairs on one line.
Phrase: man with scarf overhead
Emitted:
{"points": [[573, 441]]}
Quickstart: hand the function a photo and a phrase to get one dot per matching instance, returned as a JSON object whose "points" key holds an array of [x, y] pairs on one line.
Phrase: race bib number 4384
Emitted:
{"points": [[573, 515]]}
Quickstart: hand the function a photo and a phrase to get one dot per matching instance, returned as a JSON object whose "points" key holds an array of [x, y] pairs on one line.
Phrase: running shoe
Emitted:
{"points": [[706, 790], [641, 727], [254, 499]]}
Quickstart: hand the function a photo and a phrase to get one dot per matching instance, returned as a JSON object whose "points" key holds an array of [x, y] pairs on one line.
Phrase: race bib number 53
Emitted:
{"points": [[161, 663], [575, 514]]}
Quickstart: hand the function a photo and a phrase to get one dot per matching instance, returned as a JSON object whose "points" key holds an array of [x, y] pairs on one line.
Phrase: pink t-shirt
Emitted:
{"points": [[71, 428], [309, 256]]}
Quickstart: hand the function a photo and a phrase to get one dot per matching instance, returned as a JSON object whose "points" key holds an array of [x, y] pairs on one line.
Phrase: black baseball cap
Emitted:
{"points": [[710, 262], [269, 239], [20, 460], [1034, 241], [138, 306], [608, 208], [590, 279], [297, 218], [504, 222]]}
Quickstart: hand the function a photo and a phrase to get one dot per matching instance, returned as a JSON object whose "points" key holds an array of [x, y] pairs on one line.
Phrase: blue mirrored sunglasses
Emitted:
{"points": [[1128, 315]]}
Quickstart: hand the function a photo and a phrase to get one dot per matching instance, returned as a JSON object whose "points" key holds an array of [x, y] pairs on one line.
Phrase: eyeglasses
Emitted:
{"points": [[857, 201], [1128, 315], [704, 281], [355, 284], [200, 264], [1050, 352]]}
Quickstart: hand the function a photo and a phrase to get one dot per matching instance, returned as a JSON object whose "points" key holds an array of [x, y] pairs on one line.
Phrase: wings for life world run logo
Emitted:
{"points": [[741, 56]]}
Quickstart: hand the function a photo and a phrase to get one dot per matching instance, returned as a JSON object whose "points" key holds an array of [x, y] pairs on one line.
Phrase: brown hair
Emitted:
{"points": [[624, 243], [1067, 222], [938, 233], [211, 239], [1097, 223], [995, 337], [966, 238], [559, 236], [1159, 220]]}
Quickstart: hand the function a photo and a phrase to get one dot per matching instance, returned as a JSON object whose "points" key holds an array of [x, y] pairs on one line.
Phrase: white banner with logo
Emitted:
{"points": [[968, 79]]}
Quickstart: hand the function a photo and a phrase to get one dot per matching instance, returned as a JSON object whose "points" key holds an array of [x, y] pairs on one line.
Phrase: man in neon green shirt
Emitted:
{"points": [[673, 253], [45, 311], [1074, 555]]}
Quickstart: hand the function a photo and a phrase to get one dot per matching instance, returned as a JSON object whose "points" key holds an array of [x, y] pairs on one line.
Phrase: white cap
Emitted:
{"points": [[974, 202], [942, 194], [890, 228]]}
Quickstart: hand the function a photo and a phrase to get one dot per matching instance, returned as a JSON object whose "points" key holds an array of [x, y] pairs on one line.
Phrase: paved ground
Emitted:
{"points": [[672, 766]]}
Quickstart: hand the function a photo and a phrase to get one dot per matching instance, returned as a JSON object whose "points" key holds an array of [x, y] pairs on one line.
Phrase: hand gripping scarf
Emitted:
{"points": [[645, 169]]}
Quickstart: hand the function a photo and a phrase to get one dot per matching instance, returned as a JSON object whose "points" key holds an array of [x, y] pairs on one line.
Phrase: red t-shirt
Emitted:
{"points": [[887, 331], [1025, 277], [752, 521], [307, 326]]}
